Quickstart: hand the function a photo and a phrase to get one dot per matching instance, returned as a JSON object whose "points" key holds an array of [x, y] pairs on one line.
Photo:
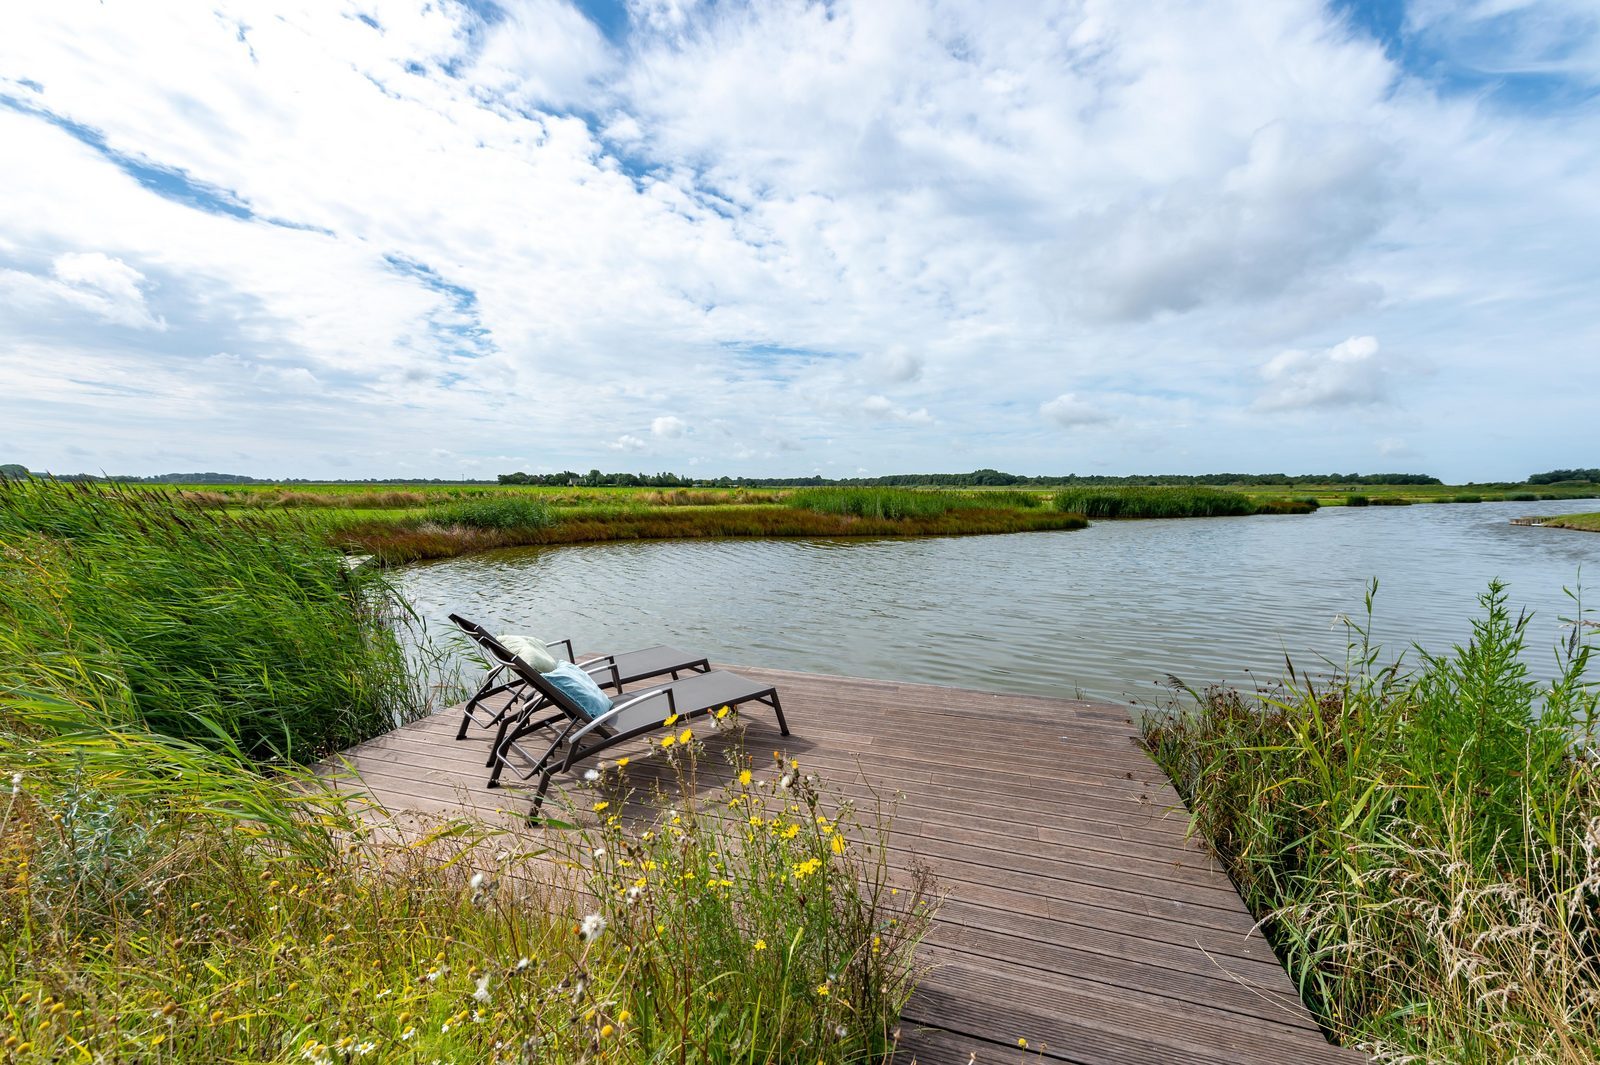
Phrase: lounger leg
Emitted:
{"points": [[783, 726], [538, 796]]}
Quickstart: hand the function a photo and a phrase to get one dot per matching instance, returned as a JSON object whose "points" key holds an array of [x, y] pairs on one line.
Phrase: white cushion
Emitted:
{"points": [[531, 651]]}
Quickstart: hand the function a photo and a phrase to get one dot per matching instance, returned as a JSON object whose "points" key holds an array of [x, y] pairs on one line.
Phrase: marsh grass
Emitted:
{"points": [[1423, 848], [393, 543], [1154, 502], [896, 504], [500, 513], [230, 632]]}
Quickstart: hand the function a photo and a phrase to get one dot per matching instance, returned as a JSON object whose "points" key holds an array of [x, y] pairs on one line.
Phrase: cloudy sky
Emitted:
{"points": [[355, 238]]}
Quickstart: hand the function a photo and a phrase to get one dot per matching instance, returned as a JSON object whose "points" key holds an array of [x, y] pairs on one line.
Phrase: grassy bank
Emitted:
{"points": [[1586, 522], [173, 888], [194, 624], [825, 513], [1179, 502], [1423, 848]]}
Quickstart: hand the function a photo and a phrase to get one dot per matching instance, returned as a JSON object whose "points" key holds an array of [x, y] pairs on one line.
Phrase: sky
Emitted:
{"points": [[456, 238]]}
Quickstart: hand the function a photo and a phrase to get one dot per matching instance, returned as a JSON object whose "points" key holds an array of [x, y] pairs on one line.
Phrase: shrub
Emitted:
{"points": [[1357, 501]]}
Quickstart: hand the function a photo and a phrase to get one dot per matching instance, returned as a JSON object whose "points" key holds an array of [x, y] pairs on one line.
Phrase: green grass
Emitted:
{"points": [[1588, 522], [1181, 502], [174, 889], [197, 625], [495, 512], [1420, 846], [895, 504]]}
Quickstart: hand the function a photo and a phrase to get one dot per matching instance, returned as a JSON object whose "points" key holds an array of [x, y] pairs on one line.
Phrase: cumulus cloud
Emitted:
{"points": [[946, 208], [1070, 412], [669, 426], [1349, 374], [883, 407], [91, 282]]}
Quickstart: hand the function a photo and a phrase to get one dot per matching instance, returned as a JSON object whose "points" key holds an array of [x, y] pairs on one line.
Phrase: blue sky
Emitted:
{"points": [[401, 237]]}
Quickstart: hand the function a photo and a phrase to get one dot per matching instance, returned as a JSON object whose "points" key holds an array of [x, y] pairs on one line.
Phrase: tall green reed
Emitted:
{"points": [[1422, 847], [899, 503], [1153, 502], [228, 632]]}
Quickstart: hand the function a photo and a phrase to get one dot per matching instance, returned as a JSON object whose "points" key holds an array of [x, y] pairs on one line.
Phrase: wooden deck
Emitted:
{"points": [[1076, 916]]}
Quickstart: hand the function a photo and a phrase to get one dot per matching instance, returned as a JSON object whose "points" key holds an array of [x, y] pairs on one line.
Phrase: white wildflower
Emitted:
{"points": [[361, 1050], [592, 775], [592, 926], [482, 993], [523, 963], [16, 782], [841, 1031], [784, 781], [476, 882], [634, 893], [433, 976], [599, 852], [407, 1035]]}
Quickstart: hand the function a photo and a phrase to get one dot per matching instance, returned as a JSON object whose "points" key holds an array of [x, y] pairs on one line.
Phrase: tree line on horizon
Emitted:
{"points": [[983, 478]]}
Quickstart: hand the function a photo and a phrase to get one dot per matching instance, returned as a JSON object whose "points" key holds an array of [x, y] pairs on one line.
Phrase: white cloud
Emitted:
{"points": [[1070, 412], [91, 282], [892, 229], [669, 426], [1349, 374]]}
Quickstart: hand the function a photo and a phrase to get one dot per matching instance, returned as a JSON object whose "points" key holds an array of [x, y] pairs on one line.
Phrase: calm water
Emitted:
{"points": [[1108, 611]]}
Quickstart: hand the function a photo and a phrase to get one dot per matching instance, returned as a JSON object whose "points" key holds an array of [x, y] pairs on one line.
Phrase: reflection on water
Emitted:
{"points": [[1108, 611]]}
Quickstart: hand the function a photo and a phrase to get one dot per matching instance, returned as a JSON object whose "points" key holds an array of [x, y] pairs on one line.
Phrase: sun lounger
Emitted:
{"points": [[629, 717], [608, 671]]}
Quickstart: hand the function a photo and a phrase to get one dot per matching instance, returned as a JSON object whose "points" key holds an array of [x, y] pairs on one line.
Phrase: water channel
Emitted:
{"points": [[1106, 612]]}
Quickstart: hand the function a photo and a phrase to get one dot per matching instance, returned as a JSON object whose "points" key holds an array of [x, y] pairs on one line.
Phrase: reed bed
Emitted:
{"points": [[1422, 847], [1180, 502], [225, 631], [896, 504], [394, 543]]}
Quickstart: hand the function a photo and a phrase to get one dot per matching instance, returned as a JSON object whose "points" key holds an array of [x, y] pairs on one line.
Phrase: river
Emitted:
{"points": [[1106, 612]]}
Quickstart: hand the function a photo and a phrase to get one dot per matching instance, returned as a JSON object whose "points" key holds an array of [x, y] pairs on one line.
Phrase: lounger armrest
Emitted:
{"points": [[598, 667], [563, 642], [617, 708]]}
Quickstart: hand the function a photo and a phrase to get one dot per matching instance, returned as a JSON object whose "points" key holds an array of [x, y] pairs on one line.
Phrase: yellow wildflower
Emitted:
{"points": [[686, 735], [761, 944], [837, 843], [823, 990], [672, 719], [744, 778], [622, 763], [723, 712], [668, 742], [601, 805], [605, 1031]]}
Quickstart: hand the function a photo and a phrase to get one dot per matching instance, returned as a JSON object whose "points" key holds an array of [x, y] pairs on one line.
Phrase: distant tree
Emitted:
{"points": [[13, 472], [1554, 476]]}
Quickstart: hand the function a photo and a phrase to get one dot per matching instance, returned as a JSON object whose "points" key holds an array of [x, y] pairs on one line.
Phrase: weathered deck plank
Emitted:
{"points": [[1079, 917]]}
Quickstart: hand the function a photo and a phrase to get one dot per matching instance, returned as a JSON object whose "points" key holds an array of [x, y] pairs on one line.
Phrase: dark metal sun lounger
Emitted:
{"points": [[630, 716], [608, 671]]}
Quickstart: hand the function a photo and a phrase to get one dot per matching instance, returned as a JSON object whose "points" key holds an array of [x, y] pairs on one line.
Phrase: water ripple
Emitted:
{"points": [[1109, 611]]}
